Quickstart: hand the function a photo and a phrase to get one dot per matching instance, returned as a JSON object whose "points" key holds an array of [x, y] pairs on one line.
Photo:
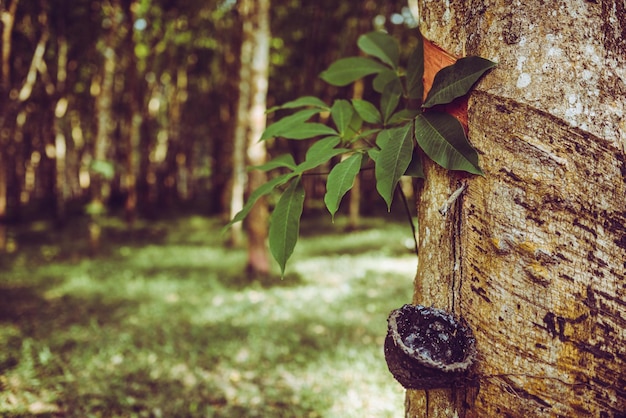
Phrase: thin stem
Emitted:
{"points": [[407, 209], [371, 145]]}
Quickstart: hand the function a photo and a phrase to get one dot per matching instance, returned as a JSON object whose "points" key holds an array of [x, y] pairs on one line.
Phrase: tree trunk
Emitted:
{"points": [[3, 203], [105, 120], [7, 17], [258, 32], [135, 120], [532, 254], [250, 125], [238, 178], [62, 189], [61, 184]]}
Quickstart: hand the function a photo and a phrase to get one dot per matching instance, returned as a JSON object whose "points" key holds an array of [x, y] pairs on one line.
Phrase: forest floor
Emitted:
{"points": [[164, 323]]}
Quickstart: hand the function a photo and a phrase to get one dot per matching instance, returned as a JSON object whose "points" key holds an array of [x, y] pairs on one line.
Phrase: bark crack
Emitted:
{"points": [[457, 269]]}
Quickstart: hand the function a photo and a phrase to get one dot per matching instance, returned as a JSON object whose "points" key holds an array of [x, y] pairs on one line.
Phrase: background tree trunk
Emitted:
{"points": [[105, 122], [532, 255], [238, 178], [247, 149], [7, 17], [62, 189], [256, 224], [135, 119]]}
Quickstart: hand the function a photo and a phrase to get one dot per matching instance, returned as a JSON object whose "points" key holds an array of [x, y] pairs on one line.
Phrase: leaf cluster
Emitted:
{"points": [[387, 135]]}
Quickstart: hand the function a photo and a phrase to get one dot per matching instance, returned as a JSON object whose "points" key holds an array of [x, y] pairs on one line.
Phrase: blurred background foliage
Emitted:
{"points": [[161, 76]]}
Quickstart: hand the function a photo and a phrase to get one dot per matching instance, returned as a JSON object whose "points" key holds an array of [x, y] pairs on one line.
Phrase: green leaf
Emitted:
{"points": [[261, 191], [415, 71], [355, 125], [383, 78], [415, 168], [340, 180], [308, 130], [288, 123], [383, 138], [390, 98], [382, 46], [285, 223], [373, 153], [456, 80], [320, 152], [443, 139], [393, 160], [347, 70], [403, 115], [301, 102], [365, 134], [367, 111], [342, 113], [284, 160]]}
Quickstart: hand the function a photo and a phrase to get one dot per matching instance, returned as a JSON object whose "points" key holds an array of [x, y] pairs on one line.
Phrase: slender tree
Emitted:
{"points": [[103, 89], [8, 12], [256, 228], [135, 115], [238, 179], [532, 254], [248, 150]]}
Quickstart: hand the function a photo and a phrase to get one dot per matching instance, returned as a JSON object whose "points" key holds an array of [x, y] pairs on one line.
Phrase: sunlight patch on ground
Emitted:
{"points": [[343, 268]]}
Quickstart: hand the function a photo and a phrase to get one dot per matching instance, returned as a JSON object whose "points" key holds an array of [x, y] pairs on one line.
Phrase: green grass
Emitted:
{"points": [[165, 324]]}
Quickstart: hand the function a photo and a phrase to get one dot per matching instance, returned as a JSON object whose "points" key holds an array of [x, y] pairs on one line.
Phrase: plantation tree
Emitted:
{"points": [[57, 92], [103, 88], [135, 113], [533, 254], [247, 149], [8, 11]]}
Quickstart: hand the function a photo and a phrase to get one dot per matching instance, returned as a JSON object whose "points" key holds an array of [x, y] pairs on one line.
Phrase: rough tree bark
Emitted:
{"points": [[533, 254]]}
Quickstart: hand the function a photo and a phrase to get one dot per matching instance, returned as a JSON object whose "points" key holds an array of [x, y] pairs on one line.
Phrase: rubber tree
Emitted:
{"points": [[102, 168], [532, 254], [247, 150], [8, 11]]}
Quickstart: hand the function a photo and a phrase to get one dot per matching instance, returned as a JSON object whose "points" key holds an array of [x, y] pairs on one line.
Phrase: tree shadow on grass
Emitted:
{"points": [[40, 242], [220, 381], [202, 373], [138, 394], [244, 279], [38, 316], [220, 276]]}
